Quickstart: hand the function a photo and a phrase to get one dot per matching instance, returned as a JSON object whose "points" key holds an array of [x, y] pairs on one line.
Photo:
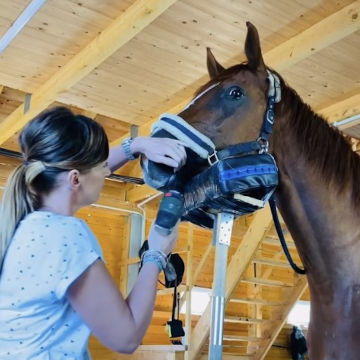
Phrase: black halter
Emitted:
{"points": [[205, 149]]}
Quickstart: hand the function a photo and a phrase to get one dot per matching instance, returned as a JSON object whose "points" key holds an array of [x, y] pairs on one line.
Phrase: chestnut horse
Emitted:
{"points": [[318, 193]]}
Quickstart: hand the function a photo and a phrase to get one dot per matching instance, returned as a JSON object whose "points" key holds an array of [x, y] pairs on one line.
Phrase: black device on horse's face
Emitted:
{"points": [[239, 179]]}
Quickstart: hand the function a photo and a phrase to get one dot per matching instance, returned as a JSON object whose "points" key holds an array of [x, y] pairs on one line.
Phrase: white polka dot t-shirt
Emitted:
{"points": [[47, 253]]}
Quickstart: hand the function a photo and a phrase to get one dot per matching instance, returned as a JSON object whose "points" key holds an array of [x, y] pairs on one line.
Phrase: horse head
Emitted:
{"points": [[229, 109]]}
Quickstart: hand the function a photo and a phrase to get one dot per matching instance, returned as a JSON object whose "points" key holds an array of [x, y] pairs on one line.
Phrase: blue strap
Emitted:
{"points": [[244, 171]]}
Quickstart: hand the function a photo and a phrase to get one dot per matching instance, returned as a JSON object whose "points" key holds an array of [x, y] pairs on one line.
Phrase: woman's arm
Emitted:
{"points": [[118, 323], [167, 151]]}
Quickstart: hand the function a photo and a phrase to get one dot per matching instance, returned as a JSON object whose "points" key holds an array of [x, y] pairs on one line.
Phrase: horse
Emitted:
{"points": [[318, 193]]}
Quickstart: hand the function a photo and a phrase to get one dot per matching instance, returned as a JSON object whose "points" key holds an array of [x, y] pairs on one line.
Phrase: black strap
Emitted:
{"points": [[237, 149], [178, 304], [174, 302], [281, 236]]}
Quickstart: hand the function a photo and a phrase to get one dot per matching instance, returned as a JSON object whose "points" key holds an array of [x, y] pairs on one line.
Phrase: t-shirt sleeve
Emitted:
{"points": [[79, 250]]}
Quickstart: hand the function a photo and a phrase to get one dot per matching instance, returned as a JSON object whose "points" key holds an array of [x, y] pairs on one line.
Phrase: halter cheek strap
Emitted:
{"points": [[204, 147]]}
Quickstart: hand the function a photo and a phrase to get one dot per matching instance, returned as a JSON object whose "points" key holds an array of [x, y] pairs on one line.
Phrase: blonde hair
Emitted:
{"points": [[54, 142]]}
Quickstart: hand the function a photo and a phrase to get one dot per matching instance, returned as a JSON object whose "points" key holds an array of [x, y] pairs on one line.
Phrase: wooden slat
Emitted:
{"points": [[139, 193], [265, 282], [242, 338], [255, 301], [124, 28], [243, 320], [271, 262]]}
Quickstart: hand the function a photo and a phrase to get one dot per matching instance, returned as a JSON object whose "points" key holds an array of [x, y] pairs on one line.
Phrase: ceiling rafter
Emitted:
{"points": [[140, 14], [317, 37]]}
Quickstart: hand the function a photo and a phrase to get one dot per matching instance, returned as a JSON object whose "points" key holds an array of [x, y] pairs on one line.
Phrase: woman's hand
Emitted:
{"points": [[166, 151], [164, 243]]}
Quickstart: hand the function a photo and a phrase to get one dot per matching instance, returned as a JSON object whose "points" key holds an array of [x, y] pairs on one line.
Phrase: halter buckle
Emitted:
{"points": [[213, 158], [264, 145]]}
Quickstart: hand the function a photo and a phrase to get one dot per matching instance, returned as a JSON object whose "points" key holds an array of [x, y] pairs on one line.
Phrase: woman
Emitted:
{"points": [[54, 287]]}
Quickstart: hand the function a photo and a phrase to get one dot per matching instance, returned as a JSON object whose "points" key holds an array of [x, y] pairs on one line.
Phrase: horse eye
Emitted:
{"points": [[235, 93]]}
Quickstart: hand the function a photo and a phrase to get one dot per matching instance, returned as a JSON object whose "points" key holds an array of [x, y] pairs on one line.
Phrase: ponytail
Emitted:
{"points": [[55, 141], [18, 200]]}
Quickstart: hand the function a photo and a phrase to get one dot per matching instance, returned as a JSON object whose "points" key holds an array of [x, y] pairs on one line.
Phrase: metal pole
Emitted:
{"points": [[222, 237]]}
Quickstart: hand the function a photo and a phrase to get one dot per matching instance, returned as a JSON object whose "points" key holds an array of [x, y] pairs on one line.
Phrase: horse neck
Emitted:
{"points": [[317, 193]]}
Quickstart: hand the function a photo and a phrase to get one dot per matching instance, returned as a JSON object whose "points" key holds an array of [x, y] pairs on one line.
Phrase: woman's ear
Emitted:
{"points": [[73, 178]]}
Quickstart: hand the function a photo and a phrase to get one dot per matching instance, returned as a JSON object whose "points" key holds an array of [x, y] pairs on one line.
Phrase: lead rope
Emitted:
{"points": [[281, 237]]}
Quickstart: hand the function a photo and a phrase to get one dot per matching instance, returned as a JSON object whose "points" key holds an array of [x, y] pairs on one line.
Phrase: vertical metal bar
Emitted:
{"points": [[222, 235], [136, 240]]}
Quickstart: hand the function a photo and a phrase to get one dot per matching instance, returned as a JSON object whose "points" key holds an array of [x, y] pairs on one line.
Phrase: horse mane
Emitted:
{"points": [[324, 147]]}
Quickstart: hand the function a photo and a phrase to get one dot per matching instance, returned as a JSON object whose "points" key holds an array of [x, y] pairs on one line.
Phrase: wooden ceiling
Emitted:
{"points": [[126, 62]]}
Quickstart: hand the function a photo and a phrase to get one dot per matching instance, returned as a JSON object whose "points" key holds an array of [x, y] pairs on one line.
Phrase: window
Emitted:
{"points": [[200, 297], [300, 314]]}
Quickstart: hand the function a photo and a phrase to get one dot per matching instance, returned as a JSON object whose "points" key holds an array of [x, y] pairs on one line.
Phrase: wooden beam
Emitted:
{"points": [[243, 320], [342, 110], [322, 34], [139, 193], [140, 14], [1, 89], [89, 113], [265, 282], [158, 352], [145, 129], [189, 286], [317, 37], [272, 262], [236, 269], [123, 281], [242, 338], [255, 301]]}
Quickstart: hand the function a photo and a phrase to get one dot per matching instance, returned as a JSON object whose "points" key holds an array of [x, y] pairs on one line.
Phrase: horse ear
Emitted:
{"points": [[253, 50], [214, 68]]}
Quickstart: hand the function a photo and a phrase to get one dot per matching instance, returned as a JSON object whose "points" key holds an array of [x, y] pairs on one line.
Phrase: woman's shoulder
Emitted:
{"points": [[53, 224], [47, 219]]}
